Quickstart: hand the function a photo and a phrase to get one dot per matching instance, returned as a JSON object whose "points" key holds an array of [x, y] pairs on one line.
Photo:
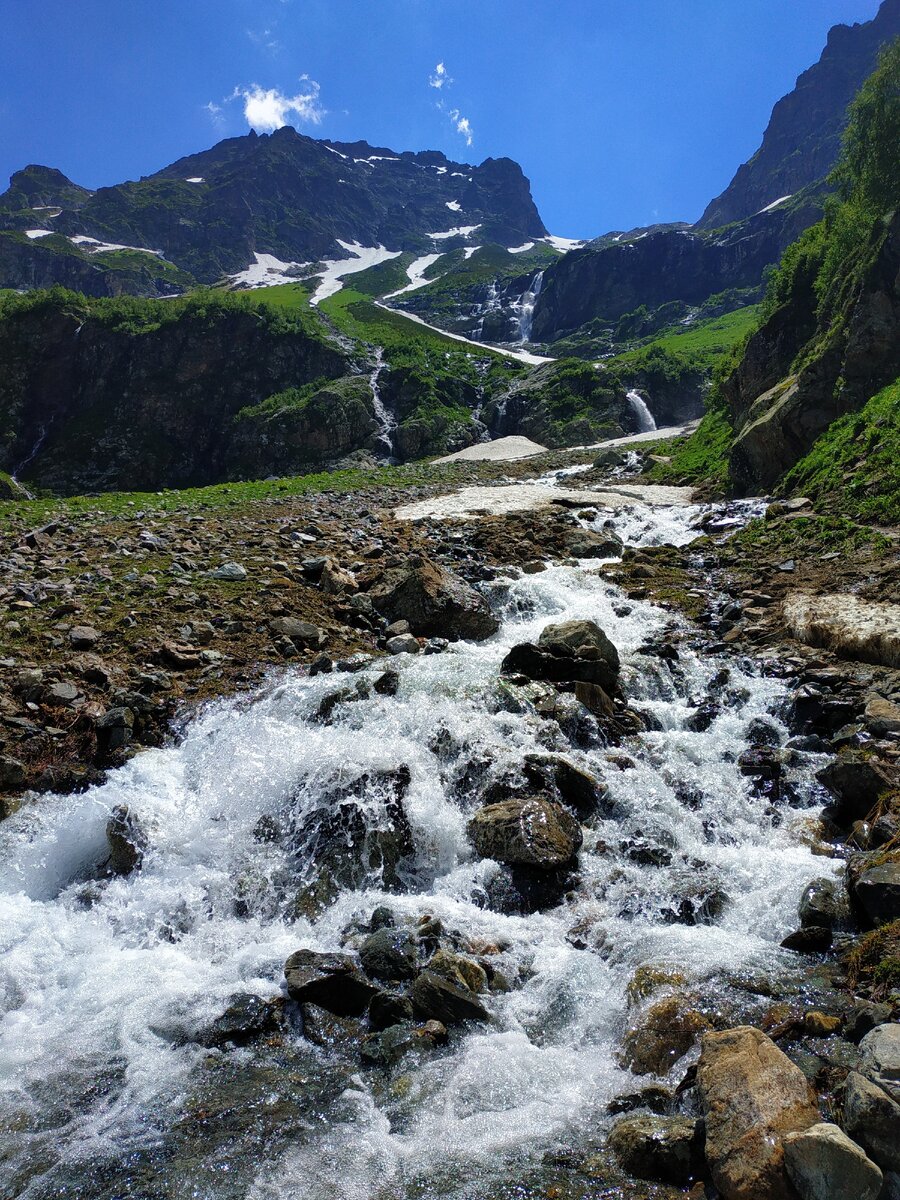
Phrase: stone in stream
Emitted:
{"points": [[390, 1045], [389, 1008], [534, 832], [752, 1097], [520, 891], [438, 998], [823, 903], [247, 1017], [126, 840], [435, 603], [569, 652], [584, 543], [857, 780], [875, 888], [663, 1149], [389, 954], [332, 981], [823, 1164], [662, 1035], [872, 1118], [577, 789], [812, 939]]}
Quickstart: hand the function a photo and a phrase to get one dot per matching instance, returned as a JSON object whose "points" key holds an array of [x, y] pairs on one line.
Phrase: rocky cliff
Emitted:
{"points": [[803, 139]]}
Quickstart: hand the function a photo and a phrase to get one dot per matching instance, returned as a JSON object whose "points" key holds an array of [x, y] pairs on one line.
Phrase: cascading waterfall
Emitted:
{"points": [[524, 307], [645, 419], [491, 304], [102, 981], [387, 422]]}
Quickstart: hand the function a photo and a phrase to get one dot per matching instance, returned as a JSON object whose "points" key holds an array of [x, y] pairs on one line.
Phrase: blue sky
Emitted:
{"points": [[621, 112]]}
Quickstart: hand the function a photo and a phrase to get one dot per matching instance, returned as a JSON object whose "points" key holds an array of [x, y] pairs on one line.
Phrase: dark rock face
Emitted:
{"points": [[435, 603], [532, 832], [437, 998], [667, 1149], [283, 194], [803, 139], [122, 410], [332, 981], [571, 652], [777, 416]]}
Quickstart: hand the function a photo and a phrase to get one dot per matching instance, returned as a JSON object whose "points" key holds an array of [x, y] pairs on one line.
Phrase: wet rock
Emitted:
{"points": [[694, 900], [814, 939], [389, 1008], [382, 918], [387, 684], [584, 543], [126, 840], [577, 789], [819, 1024], [664, 1149], [752, 1097], [459, 969], [659, 1100], [435, 602], [880, 1058], [247, 1017], [863, 1018], [567, 653], [389, 954], [437, 998], [648, 979], [534, 832], [336, 1033], [595, 699], [822, 904], [882, 716], [404, 643], [662, 1035], [872, 1118], [389, 1046], [856, 781], [875, 890], [332, 981], [520, 891], [84, 637], [823, 1164]]}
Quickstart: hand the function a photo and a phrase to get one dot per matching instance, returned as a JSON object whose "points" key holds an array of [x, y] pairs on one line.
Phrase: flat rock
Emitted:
{"points": [[752, 1097], [865, 630]]}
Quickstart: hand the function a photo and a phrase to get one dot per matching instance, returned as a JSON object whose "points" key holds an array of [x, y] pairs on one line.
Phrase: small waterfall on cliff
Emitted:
{"points": [[645, 419], [491, 304], [387, 422], [524, 307], [105, 981]]}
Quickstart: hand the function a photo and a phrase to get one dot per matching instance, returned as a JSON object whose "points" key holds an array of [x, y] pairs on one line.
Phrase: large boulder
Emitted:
{"points": [[662, 1035], [435, 602], [530, 832], [665, 1149], [823, 1163], [332, 981], [875, 888], [872, 1118], [856, 781], [752, 1097], [570, 652], [389, 954], [438, 998], [880, 1059]]}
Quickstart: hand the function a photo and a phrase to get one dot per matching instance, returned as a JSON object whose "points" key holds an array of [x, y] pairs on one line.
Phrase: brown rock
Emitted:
{"points": [[534, 832], [752, 1096], [662, 1035]]}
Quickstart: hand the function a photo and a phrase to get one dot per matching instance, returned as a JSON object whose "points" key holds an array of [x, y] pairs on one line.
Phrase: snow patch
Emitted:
{"points": [[470, 250], [332, 150], [195, 179], [92, 246], [563, 244], [267, 271], [416, 272], [522, 355], [459, 231], [520, 249], [774, 204], [37, 233], [363, 258], [454, 205]]}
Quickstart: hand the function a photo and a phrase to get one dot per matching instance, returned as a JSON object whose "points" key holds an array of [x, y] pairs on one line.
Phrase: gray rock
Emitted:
{"points": [[231, 570], [331, 981], [301, 633], [570, 652], [403, 643], [12, 772], [534, 832], [824, 1164], [114, 729], [247, 1017], [876, 891], [872, 1118], [389, 954], [437, 998], [880, 1059], [389, 1008], [84, 637], [61, 694], [663, 1149], [822, 904], [435, 603], [389, 1046], [127, 841]]}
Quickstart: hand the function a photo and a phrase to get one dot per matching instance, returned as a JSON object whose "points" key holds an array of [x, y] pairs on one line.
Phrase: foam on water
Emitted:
{"points": [[102, 979]]}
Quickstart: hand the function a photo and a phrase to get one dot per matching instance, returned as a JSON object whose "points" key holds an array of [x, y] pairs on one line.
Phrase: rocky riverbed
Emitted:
{"points": [[542, 852]]}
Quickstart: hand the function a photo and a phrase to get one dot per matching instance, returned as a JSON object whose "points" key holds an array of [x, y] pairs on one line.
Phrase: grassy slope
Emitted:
{"points": [[703, 343]]}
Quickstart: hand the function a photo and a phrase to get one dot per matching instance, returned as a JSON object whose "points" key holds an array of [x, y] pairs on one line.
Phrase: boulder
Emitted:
{"points": [[823, 1164], [880, 1059], [84, 637], [389, 1008], [577, 789], [518, 891], [403, 643], [584, 543], [534, 832], [331, 981], [569, 652], [126, 840], [876, 892], [247, 1017], [435, 602], [822, 904], [872, 1118], [389, 954], [301, 633], [663, 1149], [437, 998], [662, 1035], [389, 1046], [231, 571], [752, 1097], [856, 781]]}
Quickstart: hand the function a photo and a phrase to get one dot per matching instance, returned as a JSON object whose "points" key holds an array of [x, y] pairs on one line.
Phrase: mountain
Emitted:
{"points": [[803, 139], [771, 200], [287, 196]]}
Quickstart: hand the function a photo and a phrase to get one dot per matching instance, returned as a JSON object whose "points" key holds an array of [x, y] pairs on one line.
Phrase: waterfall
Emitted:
{"points": [[491, 304], [105, 981], [645, 419], [524, 307], [387, 422]]}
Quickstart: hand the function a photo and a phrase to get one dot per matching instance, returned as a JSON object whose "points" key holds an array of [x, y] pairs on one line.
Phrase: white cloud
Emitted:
{"points": [[463, 125], [215, 114], [267, 109], [265, 39], [439, 77]]}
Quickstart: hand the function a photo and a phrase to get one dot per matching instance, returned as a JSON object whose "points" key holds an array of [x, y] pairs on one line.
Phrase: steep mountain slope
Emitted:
{"points": [[803, 139], [283, 195]]}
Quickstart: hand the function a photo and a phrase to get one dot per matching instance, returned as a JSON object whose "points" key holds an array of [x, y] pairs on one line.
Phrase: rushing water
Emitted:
{"points": [[525, 305], [646, 422], [102, 981], [387, 422]]}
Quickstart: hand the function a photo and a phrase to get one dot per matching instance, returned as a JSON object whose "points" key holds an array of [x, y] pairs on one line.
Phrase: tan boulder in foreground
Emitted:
{"points": [[752, 1096]]}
